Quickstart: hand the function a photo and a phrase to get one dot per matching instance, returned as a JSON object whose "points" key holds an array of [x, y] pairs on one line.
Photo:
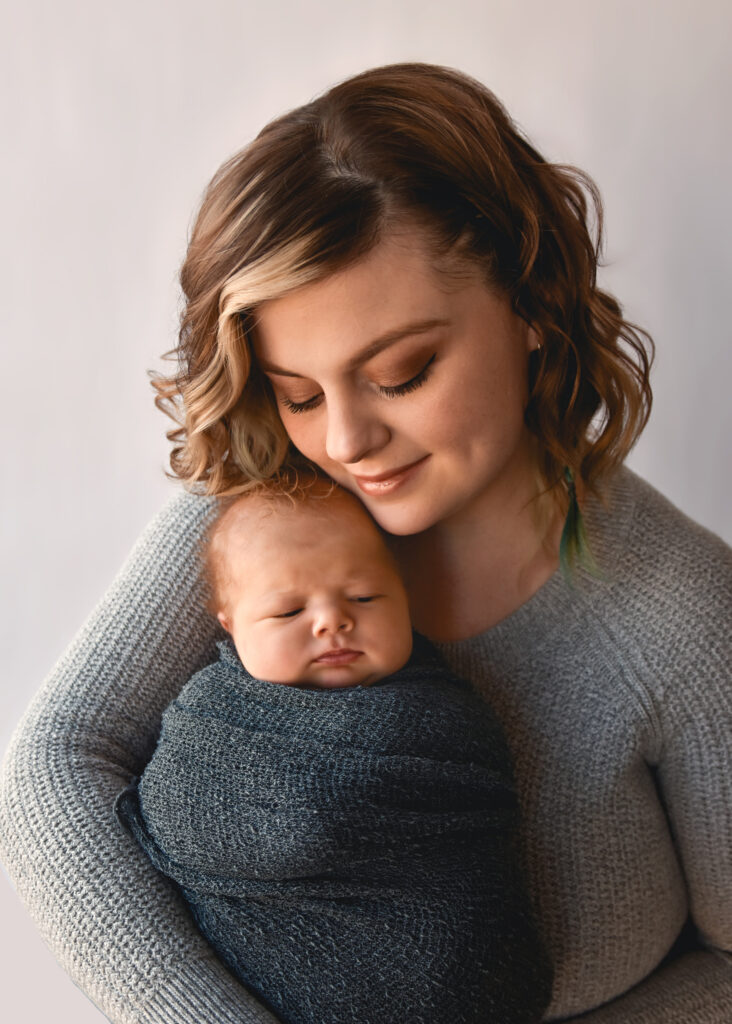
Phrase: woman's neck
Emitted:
{"points": [[466, 574]]}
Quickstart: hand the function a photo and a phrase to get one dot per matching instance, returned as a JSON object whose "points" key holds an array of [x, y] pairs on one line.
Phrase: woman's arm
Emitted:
{"points": [[692, 695], [694, 989], [116, 926]]}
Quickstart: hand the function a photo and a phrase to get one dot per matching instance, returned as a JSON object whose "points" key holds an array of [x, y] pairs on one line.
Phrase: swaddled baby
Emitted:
{"points": [[334, 805]]}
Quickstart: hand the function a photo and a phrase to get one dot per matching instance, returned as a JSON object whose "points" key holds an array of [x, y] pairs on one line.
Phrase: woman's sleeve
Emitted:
{"points": [[694, 774], [696, 988], [116, 925]]}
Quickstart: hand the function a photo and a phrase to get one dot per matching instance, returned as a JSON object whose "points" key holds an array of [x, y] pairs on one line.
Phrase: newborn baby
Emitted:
{"points": [[336, 807]]}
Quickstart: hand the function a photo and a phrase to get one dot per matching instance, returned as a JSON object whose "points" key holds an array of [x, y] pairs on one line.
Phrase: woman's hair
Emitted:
{"points": [[319, 187]]}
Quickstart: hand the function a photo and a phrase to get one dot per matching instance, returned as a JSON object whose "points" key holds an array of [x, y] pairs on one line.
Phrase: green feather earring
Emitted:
{"points": [[574, 546]]}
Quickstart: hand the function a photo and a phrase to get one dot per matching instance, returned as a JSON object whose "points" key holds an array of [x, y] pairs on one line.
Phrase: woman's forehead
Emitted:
{"points": [[394, 291]]}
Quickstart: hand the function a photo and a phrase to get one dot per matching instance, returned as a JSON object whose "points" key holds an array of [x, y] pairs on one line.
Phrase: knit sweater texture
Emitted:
{"points": [[349, 853], [615, 698]]}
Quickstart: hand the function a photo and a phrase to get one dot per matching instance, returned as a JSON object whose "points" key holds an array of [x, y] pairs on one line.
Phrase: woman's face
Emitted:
{"points": [[406, 386]]}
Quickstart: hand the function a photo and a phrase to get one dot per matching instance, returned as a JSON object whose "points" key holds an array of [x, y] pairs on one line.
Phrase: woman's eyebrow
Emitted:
{"points": [[376, 346]]}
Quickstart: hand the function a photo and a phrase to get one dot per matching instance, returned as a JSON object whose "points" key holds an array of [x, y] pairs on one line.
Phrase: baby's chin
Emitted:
{"points": [[336, 674], [362, 671], [330, 686], [338, 680]]}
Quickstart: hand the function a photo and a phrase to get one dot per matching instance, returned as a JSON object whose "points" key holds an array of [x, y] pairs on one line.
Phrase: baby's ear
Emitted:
{"points": [[224, 620]]}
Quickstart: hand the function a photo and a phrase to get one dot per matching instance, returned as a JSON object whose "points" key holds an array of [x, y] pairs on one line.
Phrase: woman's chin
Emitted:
{"points": [[401, 521]]}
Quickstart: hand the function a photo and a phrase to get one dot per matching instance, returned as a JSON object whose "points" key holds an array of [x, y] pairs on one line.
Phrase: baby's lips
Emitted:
{"points": [[338, 656]]}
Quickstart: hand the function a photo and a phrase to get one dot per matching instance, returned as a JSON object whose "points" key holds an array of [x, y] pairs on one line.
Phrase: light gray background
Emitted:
{"points": [[114, 116]]}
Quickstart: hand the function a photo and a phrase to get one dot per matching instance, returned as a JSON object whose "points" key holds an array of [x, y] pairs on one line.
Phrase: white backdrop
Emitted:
{"points": [[113, 118]]}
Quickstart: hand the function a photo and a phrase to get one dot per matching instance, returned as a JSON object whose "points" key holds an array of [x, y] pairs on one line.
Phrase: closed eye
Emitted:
{"points": [[409, 385], [288, 615], [366, 598], [387, 391], [310, 403]]}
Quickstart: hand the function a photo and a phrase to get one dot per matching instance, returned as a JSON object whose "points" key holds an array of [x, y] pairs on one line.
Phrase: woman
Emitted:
{"points": [[392, 283]]}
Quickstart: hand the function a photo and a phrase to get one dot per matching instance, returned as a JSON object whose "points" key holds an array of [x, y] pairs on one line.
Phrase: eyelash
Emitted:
{"points": [[296, 611], [394, 391]]}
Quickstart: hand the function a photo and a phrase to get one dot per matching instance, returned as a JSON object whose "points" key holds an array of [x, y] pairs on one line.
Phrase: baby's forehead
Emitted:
{"points": [[258, 519]]}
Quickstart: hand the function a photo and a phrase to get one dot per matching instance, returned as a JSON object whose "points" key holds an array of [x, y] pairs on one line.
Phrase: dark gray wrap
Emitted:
{"points": [[348, 853]]}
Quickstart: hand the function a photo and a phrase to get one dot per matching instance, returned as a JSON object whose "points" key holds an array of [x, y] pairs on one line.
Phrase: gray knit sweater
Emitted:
{"points": [[616, 699]]}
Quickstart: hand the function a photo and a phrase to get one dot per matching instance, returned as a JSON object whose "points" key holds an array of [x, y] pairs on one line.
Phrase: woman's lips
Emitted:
{"points": [[340, 656], [385, 483]]}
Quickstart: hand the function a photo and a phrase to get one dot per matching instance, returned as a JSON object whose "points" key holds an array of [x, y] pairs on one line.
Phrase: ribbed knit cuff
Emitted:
{"points": [[203, 992], [694, 989]]}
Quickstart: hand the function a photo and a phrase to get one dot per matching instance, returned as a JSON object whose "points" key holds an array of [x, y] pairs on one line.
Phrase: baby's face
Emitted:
{"points": [[313, 598]]}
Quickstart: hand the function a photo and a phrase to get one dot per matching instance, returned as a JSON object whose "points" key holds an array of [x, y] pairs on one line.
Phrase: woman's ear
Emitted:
{"points": [[224, 620], [533, 339]]}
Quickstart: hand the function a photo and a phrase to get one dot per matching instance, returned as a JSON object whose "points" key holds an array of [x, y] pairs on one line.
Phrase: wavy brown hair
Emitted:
{"points": [[318, 188]]}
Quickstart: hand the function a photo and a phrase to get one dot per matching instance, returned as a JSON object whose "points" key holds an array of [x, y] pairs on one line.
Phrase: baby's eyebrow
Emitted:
{"points": [[282, 595], [376, 346]]}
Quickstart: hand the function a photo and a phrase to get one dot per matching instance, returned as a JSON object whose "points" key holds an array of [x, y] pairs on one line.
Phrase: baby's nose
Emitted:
{"points": [[333, 619]]}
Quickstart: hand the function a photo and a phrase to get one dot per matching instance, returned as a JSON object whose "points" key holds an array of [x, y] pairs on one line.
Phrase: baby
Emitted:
{"points": [[336, 807]]}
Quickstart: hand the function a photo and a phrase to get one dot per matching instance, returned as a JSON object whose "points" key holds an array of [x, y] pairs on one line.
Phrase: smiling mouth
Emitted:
{"points": [[383, 483], [338, 656]]}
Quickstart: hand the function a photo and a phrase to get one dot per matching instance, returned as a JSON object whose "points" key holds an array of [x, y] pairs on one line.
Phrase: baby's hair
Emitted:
{"points": [[292, 486]]}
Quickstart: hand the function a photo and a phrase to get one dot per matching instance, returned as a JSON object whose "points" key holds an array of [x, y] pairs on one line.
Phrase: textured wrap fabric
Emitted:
{"points": [[349, 853]]}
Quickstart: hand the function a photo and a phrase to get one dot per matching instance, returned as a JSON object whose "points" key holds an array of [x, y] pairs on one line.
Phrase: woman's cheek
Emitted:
{"points": [[308, 437]]}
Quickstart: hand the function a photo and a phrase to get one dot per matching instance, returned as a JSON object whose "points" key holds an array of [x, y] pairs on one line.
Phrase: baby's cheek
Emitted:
{"points": [[396, 639], [406, 645], [260, 651]]}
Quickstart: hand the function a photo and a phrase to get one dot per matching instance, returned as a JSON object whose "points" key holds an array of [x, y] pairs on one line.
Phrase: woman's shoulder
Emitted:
{"points": [[185, 515], [640, 535], [665, 582]]}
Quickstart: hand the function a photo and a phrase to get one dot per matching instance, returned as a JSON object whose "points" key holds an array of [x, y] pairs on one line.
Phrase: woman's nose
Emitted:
{"points": [[353, 431], [332, 619]]}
